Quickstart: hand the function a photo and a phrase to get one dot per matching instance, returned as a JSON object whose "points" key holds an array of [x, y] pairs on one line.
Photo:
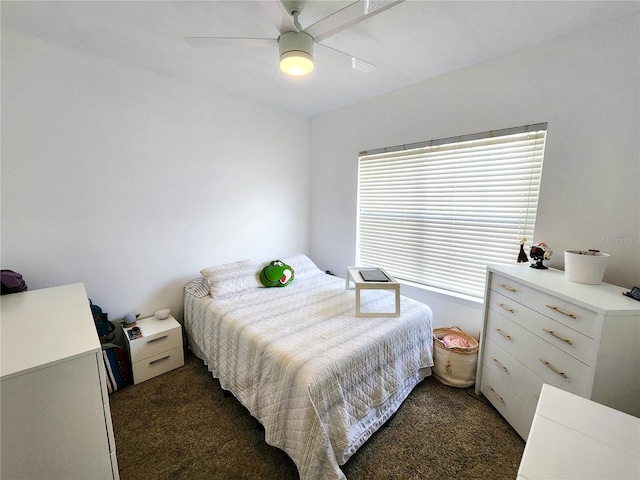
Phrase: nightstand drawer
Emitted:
{"points": [[157, 365], [159, 342]]}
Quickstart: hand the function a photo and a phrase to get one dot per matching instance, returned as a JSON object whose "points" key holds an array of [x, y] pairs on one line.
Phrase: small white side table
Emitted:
{"points": [[572, 437], [158, 350], [354, 277]]}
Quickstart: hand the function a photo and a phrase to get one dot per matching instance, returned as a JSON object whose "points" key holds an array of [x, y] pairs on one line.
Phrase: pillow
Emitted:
{"points": [[198, 287], [232, 278], [302, 265]]}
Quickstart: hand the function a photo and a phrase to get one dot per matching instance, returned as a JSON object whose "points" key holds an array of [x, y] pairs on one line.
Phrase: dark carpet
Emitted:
{"points": [[180, 425]]}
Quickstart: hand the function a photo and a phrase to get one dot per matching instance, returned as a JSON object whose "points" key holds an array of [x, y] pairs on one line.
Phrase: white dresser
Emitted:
{"points": [[56, 422], [540, 328]]}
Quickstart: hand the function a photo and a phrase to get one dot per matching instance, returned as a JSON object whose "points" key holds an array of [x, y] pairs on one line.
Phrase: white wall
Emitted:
{"points": [[132, 182], [585, 85]]}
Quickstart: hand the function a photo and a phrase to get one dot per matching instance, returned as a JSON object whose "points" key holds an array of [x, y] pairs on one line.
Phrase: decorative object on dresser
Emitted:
{"points": [[56, 421], [155, 347], [585, 267], [541, 328], [522, 257], [539, 252], [11, 282]]}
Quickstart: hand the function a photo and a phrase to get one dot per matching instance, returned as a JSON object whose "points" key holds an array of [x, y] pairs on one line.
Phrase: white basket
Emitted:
{"points": [[454, 366], [583, 267]]}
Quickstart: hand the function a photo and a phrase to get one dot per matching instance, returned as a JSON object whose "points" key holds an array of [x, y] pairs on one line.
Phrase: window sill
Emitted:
{"points": [[447, 295]]}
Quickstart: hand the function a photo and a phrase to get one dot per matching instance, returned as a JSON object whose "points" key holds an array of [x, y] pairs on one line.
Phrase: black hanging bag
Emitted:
{"points": [[104, 327]]}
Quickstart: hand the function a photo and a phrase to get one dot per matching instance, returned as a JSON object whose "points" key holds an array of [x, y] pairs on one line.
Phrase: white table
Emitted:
{"points": [[354, 277], [575, 438]]}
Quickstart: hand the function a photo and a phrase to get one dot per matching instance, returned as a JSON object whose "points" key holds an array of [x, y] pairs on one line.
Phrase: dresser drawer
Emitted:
{"points": [[572, 342], [159, 342], [512, 408], [522, 381], [157, 365], [548, 362], [567, 313]]}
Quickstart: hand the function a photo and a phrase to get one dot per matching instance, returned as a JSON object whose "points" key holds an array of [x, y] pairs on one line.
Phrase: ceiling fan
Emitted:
{"points": [[295, 43]]}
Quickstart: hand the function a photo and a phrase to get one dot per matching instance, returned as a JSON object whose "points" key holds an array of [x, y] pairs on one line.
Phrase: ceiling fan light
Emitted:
{"points": [[296, 53], [296, 63]]}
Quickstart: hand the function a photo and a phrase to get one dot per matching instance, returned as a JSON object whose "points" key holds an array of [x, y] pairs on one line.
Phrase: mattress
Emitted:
{"points": [[319, 379]]}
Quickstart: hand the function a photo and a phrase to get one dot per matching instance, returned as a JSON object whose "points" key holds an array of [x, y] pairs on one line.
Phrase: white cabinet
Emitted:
{"points": [[540, 328], [56, 422], [572, 437], [158, 350]]}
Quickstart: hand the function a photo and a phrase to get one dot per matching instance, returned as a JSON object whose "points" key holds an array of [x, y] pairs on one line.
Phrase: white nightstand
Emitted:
{"points": [[158, 350]]}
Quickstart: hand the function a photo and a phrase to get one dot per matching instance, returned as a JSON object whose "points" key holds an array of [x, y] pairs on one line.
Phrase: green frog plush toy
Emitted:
{"points": [[276, 274]]}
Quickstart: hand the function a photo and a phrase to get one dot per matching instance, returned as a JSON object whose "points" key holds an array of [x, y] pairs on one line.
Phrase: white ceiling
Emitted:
{"points": [[411, 42]]}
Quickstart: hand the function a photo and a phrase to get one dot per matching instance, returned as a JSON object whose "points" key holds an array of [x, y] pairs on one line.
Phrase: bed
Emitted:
{"points": [[320, 380]]}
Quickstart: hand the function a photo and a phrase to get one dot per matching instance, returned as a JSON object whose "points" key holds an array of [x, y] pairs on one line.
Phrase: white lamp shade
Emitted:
{"points": [[296, 53], [296, 63]]}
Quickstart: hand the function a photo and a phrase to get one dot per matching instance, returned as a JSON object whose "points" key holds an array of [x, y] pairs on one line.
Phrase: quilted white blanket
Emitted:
{"points": [[319, 379]]}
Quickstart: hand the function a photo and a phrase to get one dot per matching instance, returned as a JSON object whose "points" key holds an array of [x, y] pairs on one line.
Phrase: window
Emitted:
{"points": [[437, 213]]}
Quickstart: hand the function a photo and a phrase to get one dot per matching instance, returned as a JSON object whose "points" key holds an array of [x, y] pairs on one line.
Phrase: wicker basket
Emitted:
{"points": [[454, 366]]}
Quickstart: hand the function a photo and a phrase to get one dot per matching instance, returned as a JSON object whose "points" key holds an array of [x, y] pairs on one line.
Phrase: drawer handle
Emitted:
{"points": [[158, 360], [554, 369], [563, 312], [507, 287], [508, 337], [497, 362], [157, 339], [506, 307], [554, 334], [496, 394]]}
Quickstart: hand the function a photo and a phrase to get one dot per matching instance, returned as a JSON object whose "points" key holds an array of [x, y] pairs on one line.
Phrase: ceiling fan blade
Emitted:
{"points": [[348, 16], [206, 42], [355, 62], [278, 14]]}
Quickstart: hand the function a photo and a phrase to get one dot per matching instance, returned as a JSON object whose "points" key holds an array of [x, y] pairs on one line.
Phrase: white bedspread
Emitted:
{"points": [[319, 379]]}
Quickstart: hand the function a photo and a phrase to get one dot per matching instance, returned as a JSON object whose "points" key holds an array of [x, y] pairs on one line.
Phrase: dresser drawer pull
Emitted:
{"points": [[158, 360], [554, 369], [506, 307], [507, 287], [497, 362], [508, 337], [554, 334], [563, 312], [496, 394], [157, 339]]}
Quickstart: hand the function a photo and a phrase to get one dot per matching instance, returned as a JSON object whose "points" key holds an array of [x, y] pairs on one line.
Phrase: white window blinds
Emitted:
{"points": [[439, 212]]}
